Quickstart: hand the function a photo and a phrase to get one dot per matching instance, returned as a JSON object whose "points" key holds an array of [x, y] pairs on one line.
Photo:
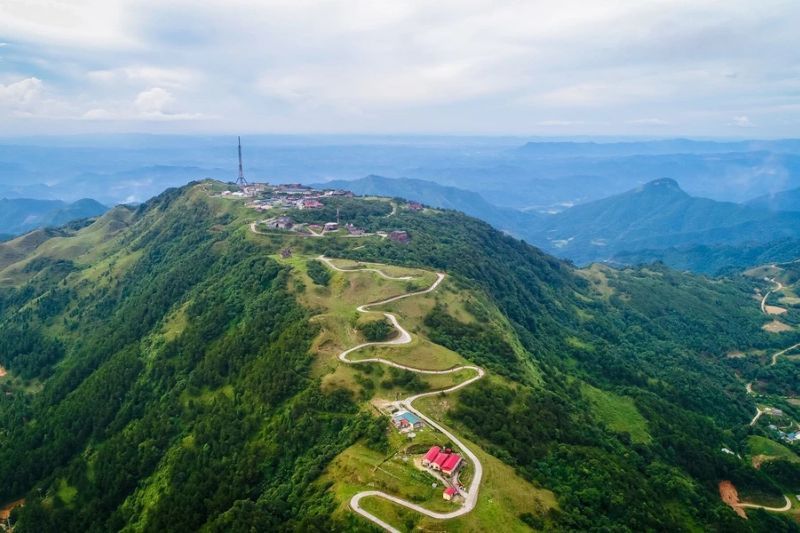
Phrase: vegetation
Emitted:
{"points": [[162, 374], [376, 330], [319, 273]]}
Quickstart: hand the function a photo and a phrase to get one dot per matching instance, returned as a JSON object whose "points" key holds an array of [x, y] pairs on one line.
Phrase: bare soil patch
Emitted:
{"points": [[3, 372], [774, 310], [776, 326], [730, 496], [5, 511]]}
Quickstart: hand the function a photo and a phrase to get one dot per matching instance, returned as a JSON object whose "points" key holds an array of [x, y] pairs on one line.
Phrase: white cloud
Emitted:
{"points": [[475, 66], [21, 94], [648, 121], [742, 121], [155, 100], [147, 75]]}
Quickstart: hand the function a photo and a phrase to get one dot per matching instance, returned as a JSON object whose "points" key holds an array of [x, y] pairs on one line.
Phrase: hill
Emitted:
{"points": [[714, 259], [435, 195], [780, 201], [657, 215], [175, 366], [20, 215]]}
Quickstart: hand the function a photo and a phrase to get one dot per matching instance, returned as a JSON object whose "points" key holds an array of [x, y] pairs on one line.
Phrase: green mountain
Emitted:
{"points": [[20, 215], [715, 259], [174, 368], [441, 196], [657, 215]]}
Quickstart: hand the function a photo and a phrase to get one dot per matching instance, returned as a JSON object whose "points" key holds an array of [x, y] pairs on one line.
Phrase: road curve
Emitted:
{"points": [[404, 337], [773, 509], [778, 286]]}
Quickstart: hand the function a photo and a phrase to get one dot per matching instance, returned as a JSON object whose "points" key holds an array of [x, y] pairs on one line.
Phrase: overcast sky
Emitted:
{"points": [[604, 67]]}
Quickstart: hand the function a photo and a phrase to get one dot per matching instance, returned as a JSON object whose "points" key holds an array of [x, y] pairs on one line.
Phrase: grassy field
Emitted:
{"points": [[762, 446], [504, 495], [619, 413]]}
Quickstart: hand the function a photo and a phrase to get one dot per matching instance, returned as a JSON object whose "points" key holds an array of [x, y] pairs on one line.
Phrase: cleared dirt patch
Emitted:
{"points": [[774, 310], [730, 496], [776, 326], [5, 511], [3, 372]]}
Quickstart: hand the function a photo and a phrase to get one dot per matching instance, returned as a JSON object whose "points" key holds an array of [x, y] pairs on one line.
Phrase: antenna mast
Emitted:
{"points": [[240, 181]]}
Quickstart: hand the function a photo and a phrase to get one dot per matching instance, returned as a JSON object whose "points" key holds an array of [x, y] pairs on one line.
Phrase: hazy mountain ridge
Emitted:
{"points": [[19, 215]]}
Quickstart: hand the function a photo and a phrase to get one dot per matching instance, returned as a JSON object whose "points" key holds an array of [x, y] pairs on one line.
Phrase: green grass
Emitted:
{"points": [[65, 492], [758, 445], [619, 413]]}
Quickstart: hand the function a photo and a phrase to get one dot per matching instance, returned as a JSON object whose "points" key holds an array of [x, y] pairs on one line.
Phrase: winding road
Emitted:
{"points": [[404, 337], [778, 286], [773, 509]]}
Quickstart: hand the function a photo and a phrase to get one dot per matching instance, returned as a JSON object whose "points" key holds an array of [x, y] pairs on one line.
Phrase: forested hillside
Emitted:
{"points": [[162, 375]]}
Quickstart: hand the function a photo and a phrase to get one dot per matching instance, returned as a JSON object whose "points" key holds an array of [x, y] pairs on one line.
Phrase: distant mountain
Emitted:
{"points": [[657, 215], [441, 196], [715, 259], [19, 215], [655, 147], [780, 201]]}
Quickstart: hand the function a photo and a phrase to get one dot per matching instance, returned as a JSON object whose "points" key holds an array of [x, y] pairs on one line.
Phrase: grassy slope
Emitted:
{"points": [[504, 495]]}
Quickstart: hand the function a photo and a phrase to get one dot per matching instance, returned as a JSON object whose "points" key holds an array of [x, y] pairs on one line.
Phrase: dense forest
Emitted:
{"points": [[165, 383]]}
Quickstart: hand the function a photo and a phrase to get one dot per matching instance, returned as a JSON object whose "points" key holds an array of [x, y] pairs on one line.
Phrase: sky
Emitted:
{"points": [[712, 68]]}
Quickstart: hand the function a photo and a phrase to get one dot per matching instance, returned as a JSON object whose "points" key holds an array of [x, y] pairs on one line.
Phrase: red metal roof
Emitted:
{"points": [[432, 453], [450, 491], [441, 458], [451, 462]]}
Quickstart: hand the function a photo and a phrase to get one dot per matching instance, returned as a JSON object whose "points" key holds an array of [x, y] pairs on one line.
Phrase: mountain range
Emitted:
{"points": [[19, 215], [654, 221]]}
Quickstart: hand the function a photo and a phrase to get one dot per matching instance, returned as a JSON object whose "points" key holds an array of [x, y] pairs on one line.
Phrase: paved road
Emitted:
{"points": [[404, 337], [778, 286], [773, 509]]}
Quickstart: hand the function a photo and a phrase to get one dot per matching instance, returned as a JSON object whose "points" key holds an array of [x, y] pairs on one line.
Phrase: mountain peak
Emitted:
{"points": [[662, 185]]}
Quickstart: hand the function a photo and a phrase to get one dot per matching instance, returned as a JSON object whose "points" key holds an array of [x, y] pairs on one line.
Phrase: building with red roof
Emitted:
{"points": [[431, 455], [437, 463], [449, 493], [451, 464]]}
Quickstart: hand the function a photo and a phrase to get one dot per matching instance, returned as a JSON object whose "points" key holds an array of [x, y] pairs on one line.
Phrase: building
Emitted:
{"points": [[404, 421], [280, 223], [451, 464], [414, 206], [431, 455], [450, 493], [331, 226], [437, 463], [399, 236], [310, 204], [352, 230]]}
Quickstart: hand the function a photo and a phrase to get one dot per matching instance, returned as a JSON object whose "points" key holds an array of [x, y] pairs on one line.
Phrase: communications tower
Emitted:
{"points": [[240, 181]]}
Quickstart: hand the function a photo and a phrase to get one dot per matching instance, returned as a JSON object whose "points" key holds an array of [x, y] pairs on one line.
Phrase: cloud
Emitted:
{"points": [[742, 121], [148, 75], [648, 121], [155, 100], [21, 94], [154, 104], [492, 66]]}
